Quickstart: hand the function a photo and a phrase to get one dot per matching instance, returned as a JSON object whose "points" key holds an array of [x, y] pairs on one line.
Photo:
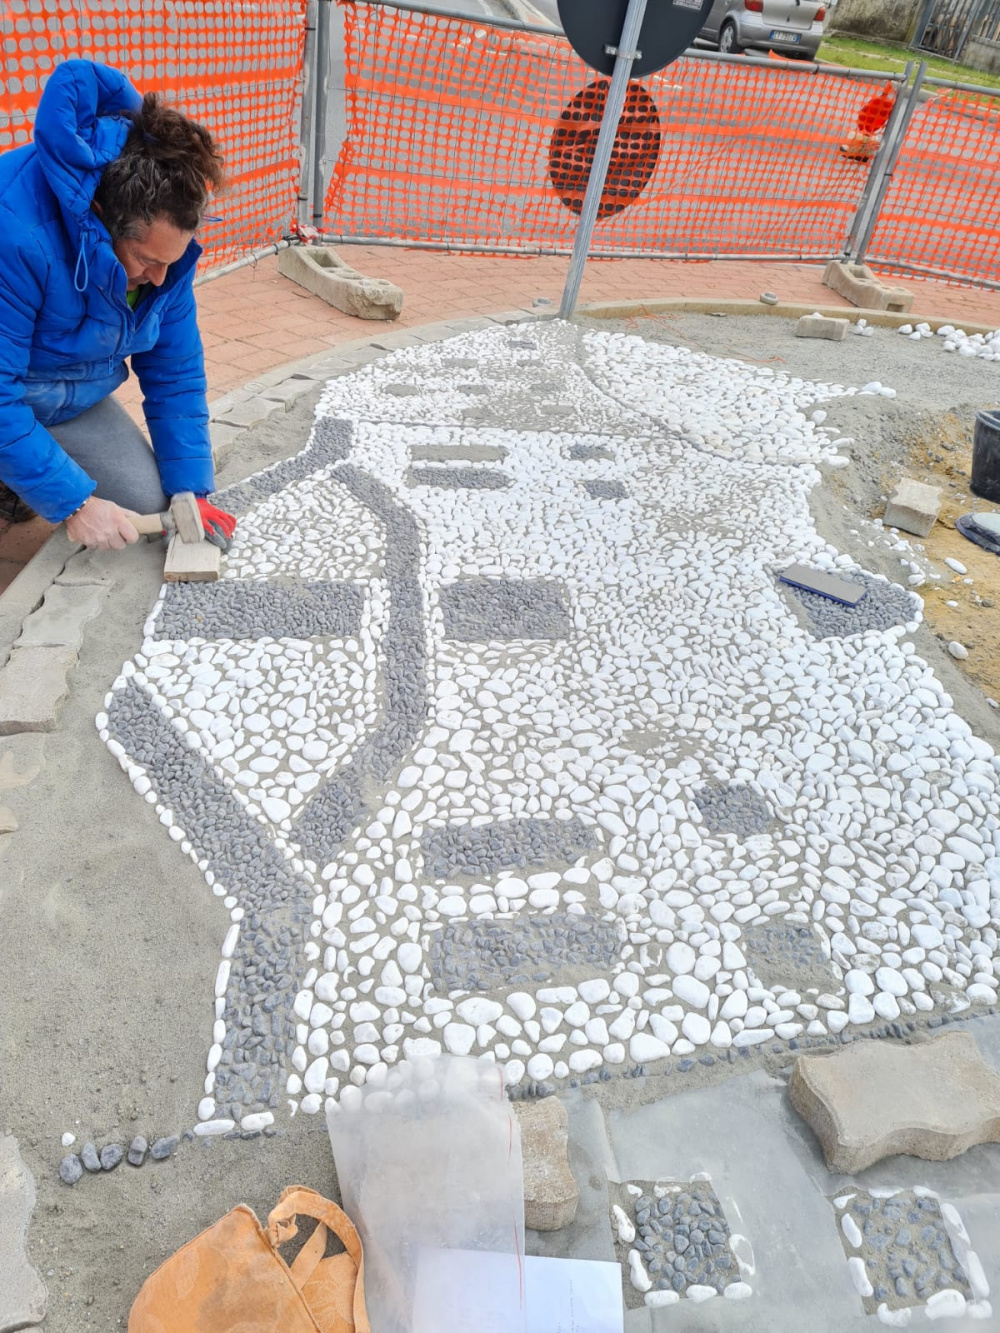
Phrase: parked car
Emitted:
{"points": [[790, 27]]}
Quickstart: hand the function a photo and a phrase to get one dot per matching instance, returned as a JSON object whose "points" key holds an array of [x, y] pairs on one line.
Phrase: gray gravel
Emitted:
{"points": [[252, 609], [883, 605], [485, 955], [733, 807], [606, 490], [509, 844], [459, 478], [781, 952], [476, 610]]}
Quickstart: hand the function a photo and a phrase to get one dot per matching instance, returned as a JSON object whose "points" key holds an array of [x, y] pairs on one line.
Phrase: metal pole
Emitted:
{"points": [[864, 239], [624, 55], [975, 18], [325, 8], [874, 180], [307, 122]]}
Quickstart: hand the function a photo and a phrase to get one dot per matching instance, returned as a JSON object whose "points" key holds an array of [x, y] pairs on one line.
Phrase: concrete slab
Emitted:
{"points": [[822, 326], [22, 1292], [60, 620], [551, 1194], [33, 685], [870, 1100]]}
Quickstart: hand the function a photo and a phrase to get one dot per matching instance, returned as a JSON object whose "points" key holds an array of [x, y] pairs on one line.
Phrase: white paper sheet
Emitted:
{"points": [[480, 1292]]}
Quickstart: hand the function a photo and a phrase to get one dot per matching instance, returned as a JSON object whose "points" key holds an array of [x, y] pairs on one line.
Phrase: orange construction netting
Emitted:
{"points": [[232, 65], [469, 136], [940, 214]]}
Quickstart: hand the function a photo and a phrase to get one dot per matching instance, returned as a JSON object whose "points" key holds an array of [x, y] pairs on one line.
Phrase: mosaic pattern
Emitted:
{"points": [[683, 1238], [902, 1253], [485, 955], [509, 799], [486, 849]]}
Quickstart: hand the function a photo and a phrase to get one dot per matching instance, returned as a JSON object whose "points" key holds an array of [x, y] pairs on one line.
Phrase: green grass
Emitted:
{"points": [[890, 59]]}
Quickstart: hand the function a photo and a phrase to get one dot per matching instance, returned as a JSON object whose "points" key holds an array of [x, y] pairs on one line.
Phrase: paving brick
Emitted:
{"points": [[821, 326], [33, 686], [870, 1100], [289, 391], [551, 1195], [61, 618], [225, 438], [87, 567], [22, 1292], [914, 507]]}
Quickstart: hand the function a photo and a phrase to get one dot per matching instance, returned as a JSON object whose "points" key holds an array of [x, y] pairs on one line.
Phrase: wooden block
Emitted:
{"points": [[191, 562]]}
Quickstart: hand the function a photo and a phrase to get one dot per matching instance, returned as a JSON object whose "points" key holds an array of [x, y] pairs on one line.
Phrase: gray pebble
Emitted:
{"points": [[163, 1148], [111, 1156], [89, 1158], [70, 1169], [137, 1151]]}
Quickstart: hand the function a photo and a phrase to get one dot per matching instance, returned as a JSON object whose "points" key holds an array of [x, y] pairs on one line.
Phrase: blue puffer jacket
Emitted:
{"points": [[65, 325]]}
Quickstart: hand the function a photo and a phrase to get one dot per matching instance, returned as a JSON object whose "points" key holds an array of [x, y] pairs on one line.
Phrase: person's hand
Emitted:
{"points": [[102, 525], [219, 526]]}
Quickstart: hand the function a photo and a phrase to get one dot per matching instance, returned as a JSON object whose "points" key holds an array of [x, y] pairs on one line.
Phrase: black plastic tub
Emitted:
{"points": [[986, 456]]}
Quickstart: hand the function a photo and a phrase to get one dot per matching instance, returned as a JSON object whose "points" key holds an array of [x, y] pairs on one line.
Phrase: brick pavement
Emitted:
{"points": [[254, 320]]}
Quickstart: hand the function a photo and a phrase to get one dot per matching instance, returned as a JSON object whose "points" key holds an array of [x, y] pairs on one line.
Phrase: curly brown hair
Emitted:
{"points": [[168, 167]]}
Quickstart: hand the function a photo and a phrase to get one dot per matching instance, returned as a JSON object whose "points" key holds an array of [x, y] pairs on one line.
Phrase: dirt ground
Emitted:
{"points": [[925, 432]]}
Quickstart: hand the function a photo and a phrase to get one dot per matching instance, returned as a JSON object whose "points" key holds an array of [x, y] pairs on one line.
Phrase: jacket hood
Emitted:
{"points": [[81, 125]]}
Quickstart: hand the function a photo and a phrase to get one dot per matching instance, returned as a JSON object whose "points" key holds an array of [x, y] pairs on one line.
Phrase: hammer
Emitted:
{"points": [[189, 557]]}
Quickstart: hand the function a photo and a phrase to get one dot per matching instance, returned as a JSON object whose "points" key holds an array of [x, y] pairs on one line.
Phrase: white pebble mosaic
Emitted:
{"points": [[720, 770]]}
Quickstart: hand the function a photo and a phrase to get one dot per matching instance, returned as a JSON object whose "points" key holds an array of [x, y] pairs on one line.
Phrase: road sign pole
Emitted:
{"points": [[624, 56]]}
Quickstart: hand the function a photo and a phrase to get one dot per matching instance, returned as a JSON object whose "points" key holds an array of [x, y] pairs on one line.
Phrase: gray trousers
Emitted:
{"points": [[111, 448]]}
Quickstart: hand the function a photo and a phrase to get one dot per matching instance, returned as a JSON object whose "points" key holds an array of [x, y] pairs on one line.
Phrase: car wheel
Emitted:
{"points": [[729, 40]]}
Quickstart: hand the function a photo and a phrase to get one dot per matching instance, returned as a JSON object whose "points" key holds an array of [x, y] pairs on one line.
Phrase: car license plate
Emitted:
{"points": [[782, 35]]}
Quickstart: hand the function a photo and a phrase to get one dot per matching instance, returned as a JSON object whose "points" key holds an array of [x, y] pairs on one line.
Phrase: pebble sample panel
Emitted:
{"points": [[260, 989], [781, 951], [509, 844], [257, 610], [904, 1247], [484, 955], [885, 605], [733, 807], [483, 609]]}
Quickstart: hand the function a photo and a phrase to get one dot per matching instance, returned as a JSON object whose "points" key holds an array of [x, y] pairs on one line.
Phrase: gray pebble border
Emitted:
{"points": [[507, 844], [477, 610], [485, 955], [252, 609], [260, 1026]]}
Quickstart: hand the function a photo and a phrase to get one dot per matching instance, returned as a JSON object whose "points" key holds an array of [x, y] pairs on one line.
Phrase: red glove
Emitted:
{"points": [[219, 526]]}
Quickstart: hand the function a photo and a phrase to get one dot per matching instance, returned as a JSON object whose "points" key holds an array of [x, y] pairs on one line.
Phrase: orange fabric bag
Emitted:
{"points": [[232, 1278]]}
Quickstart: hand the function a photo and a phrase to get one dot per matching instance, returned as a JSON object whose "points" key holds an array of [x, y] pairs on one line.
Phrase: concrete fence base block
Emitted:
{"points": [[873, 1099], [822, 326], [913, 507], [859, 285], [320, 270]]}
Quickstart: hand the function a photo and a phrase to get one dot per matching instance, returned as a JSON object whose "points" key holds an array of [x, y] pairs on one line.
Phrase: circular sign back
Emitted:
{"points": [[668, 29]]}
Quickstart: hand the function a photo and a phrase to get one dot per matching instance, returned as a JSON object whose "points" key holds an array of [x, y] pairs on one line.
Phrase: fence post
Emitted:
{"points": [[307, 116], [324, 14], [613, 105], [893, 146], [862, 215]]}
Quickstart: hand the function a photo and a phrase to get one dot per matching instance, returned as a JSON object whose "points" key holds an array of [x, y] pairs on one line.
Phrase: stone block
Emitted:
{"points": [[874, 1099], [821, 326], [60, 619], [88, 567], [289, 391], [22, 1292], [247, 413], [33, 686], [913, 507], [321, 271], [225, 437], [551, 1195], [859, 285]]}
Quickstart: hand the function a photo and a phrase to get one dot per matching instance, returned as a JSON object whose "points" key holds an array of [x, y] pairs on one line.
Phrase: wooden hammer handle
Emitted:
{"points": [[151, 525]]}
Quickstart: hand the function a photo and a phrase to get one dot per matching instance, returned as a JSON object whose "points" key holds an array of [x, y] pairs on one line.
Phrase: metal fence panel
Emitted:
{"points": [[940, 213], [235, 66], [468, 136]]}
